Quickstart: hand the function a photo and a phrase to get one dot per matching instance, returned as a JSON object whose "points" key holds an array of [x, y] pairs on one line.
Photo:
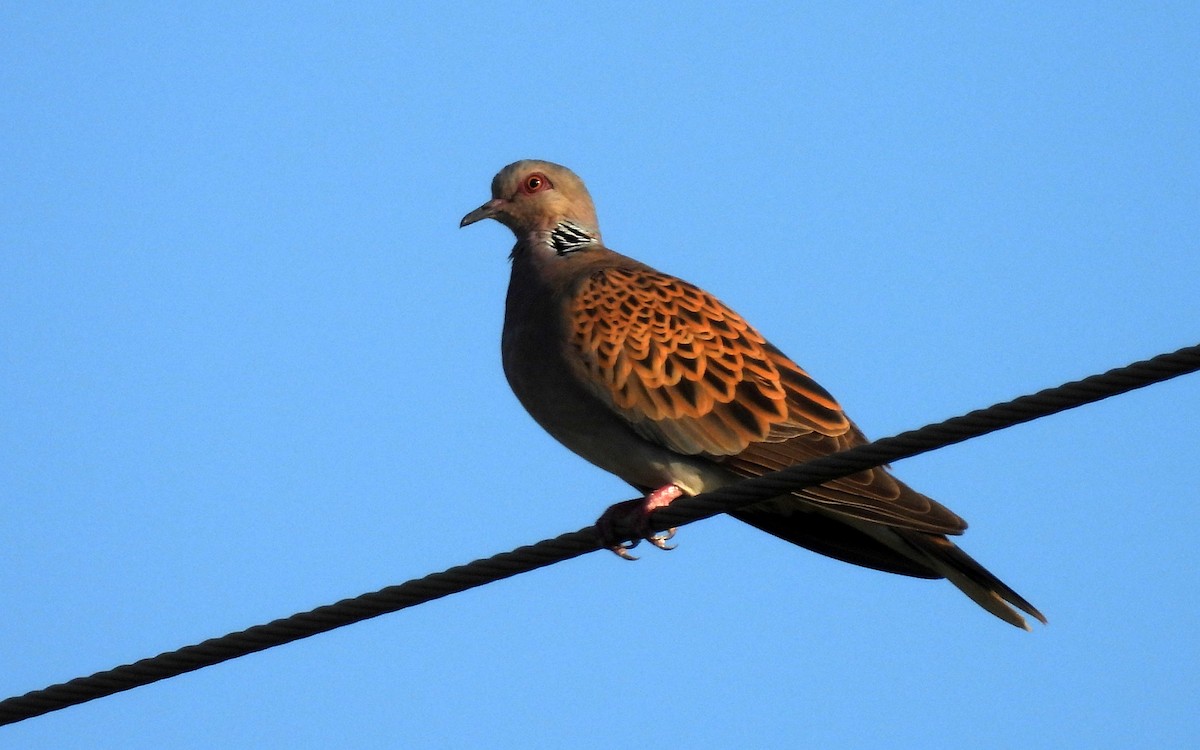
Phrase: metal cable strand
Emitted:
{"points": [[576, 543]]}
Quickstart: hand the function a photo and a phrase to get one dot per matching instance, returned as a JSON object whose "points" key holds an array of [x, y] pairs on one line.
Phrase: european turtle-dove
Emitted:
{"points": [[657, 381]]}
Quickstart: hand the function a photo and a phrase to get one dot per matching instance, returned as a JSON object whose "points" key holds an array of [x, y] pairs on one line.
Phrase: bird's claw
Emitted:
{"points": [[622, 550], [660, 540], [635, 515]]}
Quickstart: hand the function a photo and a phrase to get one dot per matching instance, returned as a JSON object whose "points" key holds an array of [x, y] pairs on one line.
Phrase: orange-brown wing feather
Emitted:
{"points": [[685, 368], [690, 374]]}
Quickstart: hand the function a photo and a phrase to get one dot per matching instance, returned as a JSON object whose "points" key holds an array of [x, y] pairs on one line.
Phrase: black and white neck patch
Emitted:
{"points": [[567, 237]]}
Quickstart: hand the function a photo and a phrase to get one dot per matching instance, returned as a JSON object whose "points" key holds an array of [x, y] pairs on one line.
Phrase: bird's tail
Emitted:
{"points": [[971, 578]]}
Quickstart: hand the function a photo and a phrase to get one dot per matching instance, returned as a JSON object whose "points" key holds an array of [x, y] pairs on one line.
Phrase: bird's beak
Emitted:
{"points": [[486, 211]]}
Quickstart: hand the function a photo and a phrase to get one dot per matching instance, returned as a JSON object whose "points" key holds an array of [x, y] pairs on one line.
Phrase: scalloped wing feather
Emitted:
{"points": [[689, 373]]}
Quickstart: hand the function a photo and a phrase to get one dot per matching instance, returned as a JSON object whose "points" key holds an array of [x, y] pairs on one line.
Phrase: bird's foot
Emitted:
{"points": [[635, 516]]}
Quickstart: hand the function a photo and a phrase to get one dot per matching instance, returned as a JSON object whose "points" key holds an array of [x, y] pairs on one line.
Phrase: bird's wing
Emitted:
{"points": [[690, 374]]}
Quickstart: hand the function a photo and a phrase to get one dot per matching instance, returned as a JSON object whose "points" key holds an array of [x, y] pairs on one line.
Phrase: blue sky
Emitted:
{"points": [[250, 365]]}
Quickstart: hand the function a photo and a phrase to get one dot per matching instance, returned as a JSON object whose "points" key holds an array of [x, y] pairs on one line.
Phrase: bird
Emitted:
{"points": [[660, 383]]}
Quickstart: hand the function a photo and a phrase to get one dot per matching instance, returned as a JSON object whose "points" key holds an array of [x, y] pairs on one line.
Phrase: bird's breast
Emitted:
{"points": [[536, 355]]}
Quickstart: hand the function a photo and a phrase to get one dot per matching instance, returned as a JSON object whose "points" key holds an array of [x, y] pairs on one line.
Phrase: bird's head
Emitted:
{"points": [[533, 197]]}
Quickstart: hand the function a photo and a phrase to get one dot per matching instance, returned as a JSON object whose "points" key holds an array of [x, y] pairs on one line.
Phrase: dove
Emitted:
{"points": [[657, 381]]}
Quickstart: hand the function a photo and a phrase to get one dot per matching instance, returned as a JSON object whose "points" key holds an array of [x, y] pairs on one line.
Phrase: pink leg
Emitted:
{"points": [[634, 515]]}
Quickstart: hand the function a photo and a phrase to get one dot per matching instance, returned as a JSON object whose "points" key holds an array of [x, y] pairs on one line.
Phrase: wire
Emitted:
{"points": [[573, 544]]}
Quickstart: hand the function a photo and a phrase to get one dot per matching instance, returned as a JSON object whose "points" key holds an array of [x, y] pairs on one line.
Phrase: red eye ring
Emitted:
{"points": [[534, 183]]}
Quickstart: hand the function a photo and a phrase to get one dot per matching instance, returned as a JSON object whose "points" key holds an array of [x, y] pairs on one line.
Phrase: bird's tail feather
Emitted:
{"points": [[972, 579]]}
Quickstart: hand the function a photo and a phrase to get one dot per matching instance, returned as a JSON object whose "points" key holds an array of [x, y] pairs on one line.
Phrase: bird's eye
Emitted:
{"points": [[534, 183]]}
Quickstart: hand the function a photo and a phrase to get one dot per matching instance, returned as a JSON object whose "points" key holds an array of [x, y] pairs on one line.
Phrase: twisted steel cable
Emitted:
{"points": [[573, 544]]}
